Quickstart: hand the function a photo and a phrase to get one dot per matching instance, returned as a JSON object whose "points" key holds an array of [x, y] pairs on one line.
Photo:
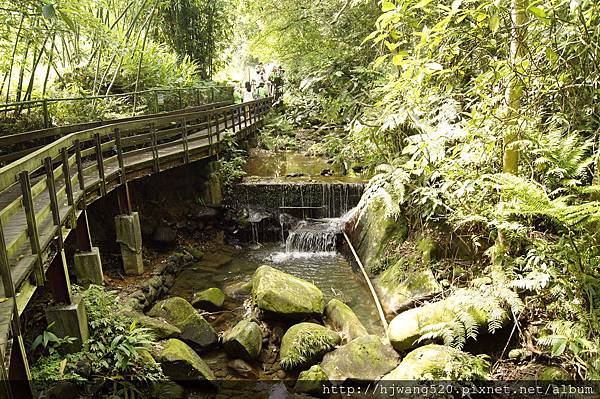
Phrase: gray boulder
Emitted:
{"points": [[342, 319], [180, 313], [278, 293], [305, 344], [363, 359], [244, 340], [180, 363], [210, 298]]}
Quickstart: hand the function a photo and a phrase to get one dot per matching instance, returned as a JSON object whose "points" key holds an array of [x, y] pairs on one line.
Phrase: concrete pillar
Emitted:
{"points": [[212, 193], [69, 321], [88, 267], [129, 237]]}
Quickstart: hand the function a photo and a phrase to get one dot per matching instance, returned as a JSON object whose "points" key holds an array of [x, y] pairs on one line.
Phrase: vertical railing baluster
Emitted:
{"points": [[34, 238], [184, 136], [233, 119], [209, 132], [100, 163], [52, 191], [120, 160], [67, 175], [154, 141]]}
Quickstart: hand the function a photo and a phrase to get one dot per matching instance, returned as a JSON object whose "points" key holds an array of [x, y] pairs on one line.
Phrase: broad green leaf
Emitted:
{"points": [[494, 22], [422, 4], [387, 6], [48, 11], [537, 11]]}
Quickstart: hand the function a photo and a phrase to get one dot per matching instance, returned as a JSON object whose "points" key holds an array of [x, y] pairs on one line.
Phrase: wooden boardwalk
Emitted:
{"points": [[43, 193]]}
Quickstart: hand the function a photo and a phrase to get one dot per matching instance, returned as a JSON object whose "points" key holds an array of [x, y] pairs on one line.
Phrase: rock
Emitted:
{"points": [[400, 290], [294, 174], [278, 293], [208, 299], [164, 235], [169, 389], [159, 327], [553, 373], [342, 319], [206, 214], [374, 233], [242, 368], [196, 253], [439, 362], [244, 340], [305, 344], [194, 328], [180, 363], [363, 359], [406, 328], [63, 390], [326, 172], [155, 282], [215, 260], [281, 374], [238, 289], [311, 381]]}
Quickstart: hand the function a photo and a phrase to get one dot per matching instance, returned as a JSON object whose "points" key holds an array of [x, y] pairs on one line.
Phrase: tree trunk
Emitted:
{"points": [[514, 89]]}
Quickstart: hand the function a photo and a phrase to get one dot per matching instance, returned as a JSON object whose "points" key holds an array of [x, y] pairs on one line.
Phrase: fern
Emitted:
{"points": [[307, 345], [389, 187]]}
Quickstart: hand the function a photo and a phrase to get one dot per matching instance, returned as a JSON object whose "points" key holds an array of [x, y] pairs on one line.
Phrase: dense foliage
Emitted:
{"points": [[438, 99]]}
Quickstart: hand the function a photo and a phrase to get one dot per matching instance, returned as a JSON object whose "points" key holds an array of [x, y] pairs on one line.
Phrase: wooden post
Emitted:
{"points": [[58, 278], [52, 192], [82, 233], [184, 136], [198, 101], [120, 160], [209, 132], [154, 142], [32, 230], [179, 97], [100, 163], [7, 281], [155, 95], [67, 175], [124, 199], [46, 114], [233, 111]]}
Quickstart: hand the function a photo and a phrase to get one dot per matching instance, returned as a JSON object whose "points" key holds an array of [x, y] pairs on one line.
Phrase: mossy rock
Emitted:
{"points": [[209, 299], [363, 359], [280, 294], [406, 328], [311, 381], [374, 234], [399, 289], [196, 253], [238, 289], [180, 363], [180, 313], [342, 319], [438, 362], [553, 373], [215, 260], [305, 344], [244, 340], [160, 327]]}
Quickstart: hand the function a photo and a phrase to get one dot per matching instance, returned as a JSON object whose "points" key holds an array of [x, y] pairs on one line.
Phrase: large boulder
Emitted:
{"points": [[180, 363], [305, 344], [209, 299], [438, 362], [244, 340], [180, 313], [160, 327], [363, 359], [311, 381], [281, 294], [399, 290], [342, 319], [406, 328], [373, 232]]}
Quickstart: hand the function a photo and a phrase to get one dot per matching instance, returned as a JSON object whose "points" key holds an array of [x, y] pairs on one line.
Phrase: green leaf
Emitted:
{"points": [[538, 12], [494, 22], [48, 11], [422, 4], [387, 6], [67, 20], [558, 348]]}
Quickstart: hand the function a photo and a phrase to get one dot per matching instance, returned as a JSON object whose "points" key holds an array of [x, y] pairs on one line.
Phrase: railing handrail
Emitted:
{"points": [[98, 97], [18, 138], [34, 160]]}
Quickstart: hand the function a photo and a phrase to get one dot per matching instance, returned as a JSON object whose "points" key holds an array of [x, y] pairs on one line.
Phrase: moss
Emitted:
{"points": [[244, 340], [343, 319], [427, 246], [181, 363], [276, 292], [212, 297], [437, 362], [305, 343], [181, 314], [196, 253]]}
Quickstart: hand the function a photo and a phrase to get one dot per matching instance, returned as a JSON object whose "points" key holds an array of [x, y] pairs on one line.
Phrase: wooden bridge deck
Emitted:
{"points": [[43, 193]]}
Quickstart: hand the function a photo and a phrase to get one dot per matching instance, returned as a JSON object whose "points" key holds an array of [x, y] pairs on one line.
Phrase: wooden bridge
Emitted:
{"points": [[43, 196]]}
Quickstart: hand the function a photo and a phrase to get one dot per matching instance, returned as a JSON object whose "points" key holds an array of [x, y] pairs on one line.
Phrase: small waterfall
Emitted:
{"points": [[312, 237]]}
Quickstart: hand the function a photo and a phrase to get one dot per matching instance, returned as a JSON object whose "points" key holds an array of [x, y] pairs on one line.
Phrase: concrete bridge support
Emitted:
{"points": [[87, 265], [129, 234]]}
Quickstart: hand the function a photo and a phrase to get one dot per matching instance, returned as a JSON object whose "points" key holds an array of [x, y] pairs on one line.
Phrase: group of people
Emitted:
{"points": [[263, 85]]}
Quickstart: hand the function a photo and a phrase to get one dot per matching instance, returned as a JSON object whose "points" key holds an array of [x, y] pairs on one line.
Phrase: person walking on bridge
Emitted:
{"points": [[248, 96]]}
